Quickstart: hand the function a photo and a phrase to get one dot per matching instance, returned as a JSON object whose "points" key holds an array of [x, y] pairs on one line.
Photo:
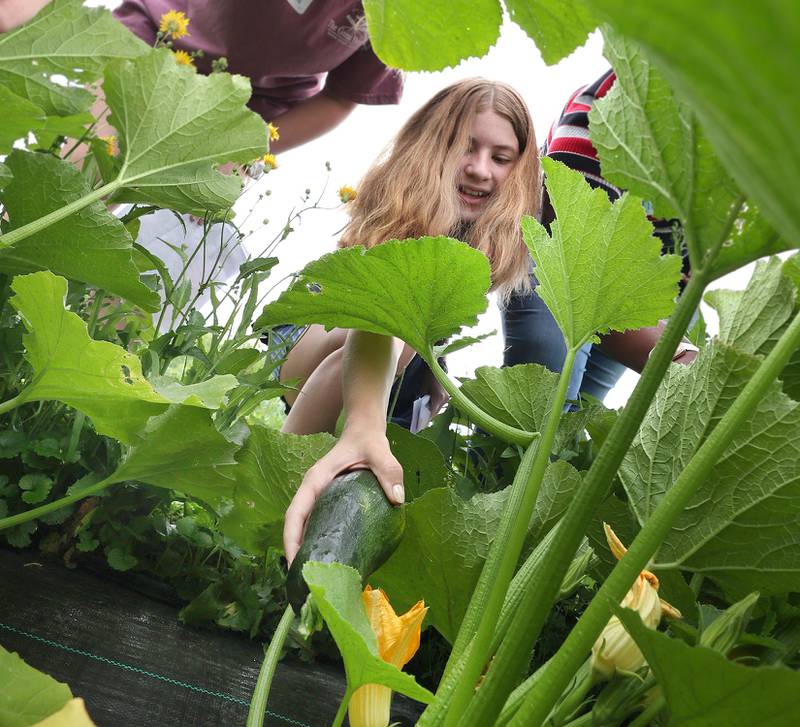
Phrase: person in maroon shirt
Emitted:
{"points": [[309, 61]]}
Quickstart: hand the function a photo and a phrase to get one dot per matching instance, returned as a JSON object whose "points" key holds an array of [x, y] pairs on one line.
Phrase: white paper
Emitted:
{"points": [[421, 414]]}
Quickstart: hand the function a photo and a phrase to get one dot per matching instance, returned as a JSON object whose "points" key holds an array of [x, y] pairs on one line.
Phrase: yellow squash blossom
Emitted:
{"points": [[615, 650], [273, 132], [347, 194], [398, 641], [174, 24], [269, 161], [182, 58]]}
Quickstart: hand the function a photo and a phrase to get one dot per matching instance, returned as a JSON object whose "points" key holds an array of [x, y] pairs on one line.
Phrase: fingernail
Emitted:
{"points": [[399, 494]]}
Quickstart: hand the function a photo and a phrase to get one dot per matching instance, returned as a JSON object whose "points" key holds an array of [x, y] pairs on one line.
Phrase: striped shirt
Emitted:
{"points": [[568, 142]]}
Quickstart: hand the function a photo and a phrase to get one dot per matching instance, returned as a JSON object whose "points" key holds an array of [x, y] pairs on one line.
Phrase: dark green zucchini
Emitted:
{"points": [[352, 523]]}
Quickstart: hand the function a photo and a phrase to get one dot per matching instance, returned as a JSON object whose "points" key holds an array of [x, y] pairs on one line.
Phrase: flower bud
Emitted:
{"points": [[723, 633]]}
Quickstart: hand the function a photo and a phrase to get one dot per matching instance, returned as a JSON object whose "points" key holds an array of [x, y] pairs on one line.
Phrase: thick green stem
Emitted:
{"points": [[75, 435], [10, 404], [485, 606], [342, 711], [532, 612], [568, 658], [507, 433], [23, 517], [517, 698], [14, 236], [258, 704]]}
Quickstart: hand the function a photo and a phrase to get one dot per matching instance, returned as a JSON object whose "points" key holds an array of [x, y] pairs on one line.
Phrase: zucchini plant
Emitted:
{"points": [[698, 473]]}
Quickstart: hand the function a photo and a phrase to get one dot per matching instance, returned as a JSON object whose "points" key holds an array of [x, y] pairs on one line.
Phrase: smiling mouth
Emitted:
{"points": [[472, 194]]}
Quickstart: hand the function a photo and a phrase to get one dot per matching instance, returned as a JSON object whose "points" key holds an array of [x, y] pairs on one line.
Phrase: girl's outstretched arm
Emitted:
{"points": [[369, 366]]}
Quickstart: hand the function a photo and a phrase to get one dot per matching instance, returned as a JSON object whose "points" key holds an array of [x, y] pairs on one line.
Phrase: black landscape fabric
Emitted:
{"points": [[134, 664]]}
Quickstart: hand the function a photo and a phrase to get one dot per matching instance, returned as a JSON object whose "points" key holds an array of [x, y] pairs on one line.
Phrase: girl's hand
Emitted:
{"points": [[356, 449]]}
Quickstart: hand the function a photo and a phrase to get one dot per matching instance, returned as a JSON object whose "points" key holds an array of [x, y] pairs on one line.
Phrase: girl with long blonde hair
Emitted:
{"points": [[464, 165]]}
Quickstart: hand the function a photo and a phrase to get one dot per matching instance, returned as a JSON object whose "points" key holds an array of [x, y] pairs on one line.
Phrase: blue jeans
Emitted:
{"points": [[532, 335]]}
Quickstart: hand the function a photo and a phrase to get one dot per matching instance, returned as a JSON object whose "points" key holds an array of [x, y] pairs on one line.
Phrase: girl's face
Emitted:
{"points": [[493, 152]]}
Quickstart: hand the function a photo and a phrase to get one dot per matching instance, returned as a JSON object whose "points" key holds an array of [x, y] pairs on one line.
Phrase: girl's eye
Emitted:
{"points": [[503, 160]]}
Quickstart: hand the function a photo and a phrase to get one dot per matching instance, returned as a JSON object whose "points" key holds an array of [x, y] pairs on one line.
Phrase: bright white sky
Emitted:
{"points": [[354, 145]]}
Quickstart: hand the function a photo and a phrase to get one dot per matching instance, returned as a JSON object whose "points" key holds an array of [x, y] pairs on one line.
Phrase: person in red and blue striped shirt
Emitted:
{"points": [[530, 331]]}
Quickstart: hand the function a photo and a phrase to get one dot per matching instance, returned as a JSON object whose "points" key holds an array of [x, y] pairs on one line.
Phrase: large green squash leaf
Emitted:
{"points": [[516, 395], [92, 245], [96, 377], [738, 528], [752, 320], [704, 689], [417, 290], [649, 142], [337, 592], [441, 555], [23, 117], [736, 64], [270, 467], [423, 465], [431, 36], [643, 134], [601, 269], [557, 27], [181, 449], [64, 38], [174, 127], [28, 696], [446, 540], [5, 176]]}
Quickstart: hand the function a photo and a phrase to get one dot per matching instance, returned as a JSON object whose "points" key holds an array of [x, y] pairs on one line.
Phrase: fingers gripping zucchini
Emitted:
{"points": [[352, 523]]}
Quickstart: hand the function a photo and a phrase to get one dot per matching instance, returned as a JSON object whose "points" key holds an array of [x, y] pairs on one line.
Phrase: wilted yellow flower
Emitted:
{"points": [[398, 641], [182, 58], [174, 23], [614, 649], [269, 161], [273, 132], [347, 194], [111, 144]]}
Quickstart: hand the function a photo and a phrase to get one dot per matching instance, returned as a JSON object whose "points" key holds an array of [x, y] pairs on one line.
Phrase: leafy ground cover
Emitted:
{"points": [[159, 448]]}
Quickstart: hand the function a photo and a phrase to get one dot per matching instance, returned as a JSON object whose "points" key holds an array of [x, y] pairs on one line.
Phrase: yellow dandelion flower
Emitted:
{"points": [[269, 162], [347, 194], [273, 132], [182, 58], [111, 144], [174, 23]]}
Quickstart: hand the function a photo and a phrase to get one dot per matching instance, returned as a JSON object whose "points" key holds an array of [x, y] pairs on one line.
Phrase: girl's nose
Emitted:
{"points": [[478, 166]]}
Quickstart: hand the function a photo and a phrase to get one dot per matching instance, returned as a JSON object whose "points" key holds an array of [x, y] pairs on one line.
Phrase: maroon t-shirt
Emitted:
{"points": [[288, 48]]}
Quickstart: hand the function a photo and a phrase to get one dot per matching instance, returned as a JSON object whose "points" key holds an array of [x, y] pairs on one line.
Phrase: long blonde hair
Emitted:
{"points": [[411, 190]]}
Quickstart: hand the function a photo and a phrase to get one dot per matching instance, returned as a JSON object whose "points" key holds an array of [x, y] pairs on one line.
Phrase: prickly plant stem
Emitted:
{"points": [[258, 704], [562, 666], [478, 626], [507, 433], [32, 228], [536, 604], [23, 517]]}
